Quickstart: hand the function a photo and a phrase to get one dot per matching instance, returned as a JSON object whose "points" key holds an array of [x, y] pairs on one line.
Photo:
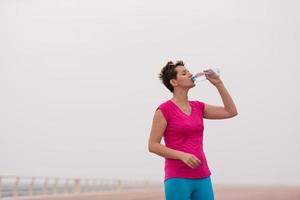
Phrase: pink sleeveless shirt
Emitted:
{"points": [[184, 133]]}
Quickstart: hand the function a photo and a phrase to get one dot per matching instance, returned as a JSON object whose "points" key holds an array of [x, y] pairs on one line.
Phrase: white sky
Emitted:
{"points": [[79, 86]]}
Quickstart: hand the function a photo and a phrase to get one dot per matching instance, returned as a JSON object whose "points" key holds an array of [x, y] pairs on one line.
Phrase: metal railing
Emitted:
{"points": [[17, 186]]}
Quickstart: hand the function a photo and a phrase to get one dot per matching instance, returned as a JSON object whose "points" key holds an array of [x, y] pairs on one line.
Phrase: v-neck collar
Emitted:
{"points": [[188, 115]]}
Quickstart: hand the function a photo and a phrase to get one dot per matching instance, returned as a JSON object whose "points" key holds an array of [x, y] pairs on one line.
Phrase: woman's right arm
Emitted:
{"points": [[159, 125]]}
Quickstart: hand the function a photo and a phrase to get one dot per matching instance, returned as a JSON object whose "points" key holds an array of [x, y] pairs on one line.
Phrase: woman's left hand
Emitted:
{"points": [[212, 77]]}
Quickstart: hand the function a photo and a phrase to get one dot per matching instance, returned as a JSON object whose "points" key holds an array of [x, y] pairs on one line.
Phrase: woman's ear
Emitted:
{"points": [[173, 82]]}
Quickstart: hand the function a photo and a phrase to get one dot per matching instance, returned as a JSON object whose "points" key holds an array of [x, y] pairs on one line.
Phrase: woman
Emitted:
{"points": [[180, 122]]}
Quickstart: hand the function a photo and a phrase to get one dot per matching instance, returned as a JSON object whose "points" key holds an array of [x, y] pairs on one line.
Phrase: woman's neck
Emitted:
{"points": [[180, 98]]}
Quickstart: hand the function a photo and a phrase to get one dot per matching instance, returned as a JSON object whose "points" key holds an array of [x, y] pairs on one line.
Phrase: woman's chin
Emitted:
{"points": [[193, 85]]}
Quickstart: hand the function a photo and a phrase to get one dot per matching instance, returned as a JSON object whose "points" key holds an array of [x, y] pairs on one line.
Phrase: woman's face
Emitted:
{"points": [[183, 78]]}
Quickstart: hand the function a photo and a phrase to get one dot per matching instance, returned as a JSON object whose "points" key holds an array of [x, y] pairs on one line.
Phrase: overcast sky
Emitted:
{"points": [[79, 85]]}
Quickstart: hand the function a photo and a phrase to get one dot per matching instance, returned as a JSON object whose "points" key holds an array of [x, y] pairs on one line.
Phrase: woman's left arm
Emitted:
{"points": [[218, 112]]}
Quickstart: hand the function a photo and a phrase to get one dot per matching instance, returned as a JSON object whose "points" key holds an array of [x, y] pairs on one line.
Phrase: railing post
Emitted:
{"points": [[55, 185], [119, 186], [86, 187], [45, 188], [77, 185], [94, 185], [0, 187], [16, 186], [146, 184], [31, 186], [66, 185]]}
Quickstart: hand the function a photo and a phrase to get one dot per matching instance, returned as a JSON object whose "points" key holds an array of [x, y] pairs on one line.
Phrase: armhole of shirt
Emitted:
{"points": [[201, 106], [164, 112]]}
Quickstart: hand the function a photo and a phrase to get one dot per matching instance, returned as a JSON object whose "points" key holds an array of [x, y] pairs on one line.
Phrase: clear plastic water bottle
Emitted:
{"points": [[200, 76]]}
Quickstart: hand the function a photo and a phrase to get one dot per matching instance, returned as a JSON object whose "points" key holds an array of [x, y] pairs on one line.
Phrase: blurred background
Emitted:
{"points": [[79, 86]]}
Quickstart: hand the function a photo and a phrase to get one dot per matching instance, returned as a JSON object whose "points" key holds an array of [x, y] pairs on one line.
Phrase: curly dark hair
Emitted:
{"points": [[168, 72]]}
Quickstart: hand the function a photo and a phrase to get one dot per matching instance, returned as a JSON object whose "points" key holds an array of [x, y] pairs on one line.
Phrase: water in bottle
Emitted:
{"points": [[201, 75]]}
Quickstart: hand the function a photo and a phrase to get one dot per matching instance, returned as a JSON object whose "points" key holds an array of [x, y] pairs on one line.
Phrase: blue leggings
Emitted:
{"points": [[189, 189]]}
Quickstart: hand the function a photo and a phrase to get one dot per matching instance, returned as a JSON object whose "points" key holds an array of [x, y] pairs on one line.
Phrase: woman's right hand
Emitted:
{"points": [[190, 160]]}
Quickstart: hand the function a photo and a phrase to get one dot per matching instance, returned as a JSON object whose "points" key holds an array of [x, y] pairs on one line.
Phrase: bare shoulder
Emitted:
{"points": [[159, 125], [159, 116]]}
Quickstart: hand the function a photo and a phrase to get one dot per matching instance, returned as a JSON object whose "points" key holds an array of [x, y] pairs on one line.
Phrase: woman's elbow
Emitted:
{"points": [[151, 147], [233, 114], [230, 114]]}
